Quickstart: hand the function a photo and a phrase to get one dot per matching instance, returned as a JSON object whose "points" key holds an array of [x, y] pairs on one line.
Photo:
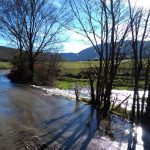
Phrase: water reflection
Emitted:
{"points": [[109, 131], [146, 137], [139, 132], [5, 83], [86, 128], [73, 124], [77, 106], [139, 138]]}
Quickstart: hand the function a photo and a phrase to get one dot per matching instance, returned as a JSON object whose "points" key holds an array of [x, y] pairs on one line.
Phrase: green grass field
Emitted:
{"points": [[70, 74], [5, 65], [69, 83], [79, 64], [70, 71], [76, 67]]}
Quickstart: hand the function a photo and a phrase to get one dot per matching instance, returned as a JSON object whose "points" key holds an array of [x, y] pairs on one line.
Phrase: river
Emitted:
{"points": [[31, 120]]}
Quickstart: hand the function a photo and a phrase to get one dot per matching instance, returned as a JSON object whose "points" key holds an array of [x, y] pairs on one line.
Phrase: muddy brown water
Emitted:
{"points": [[29, 119]]}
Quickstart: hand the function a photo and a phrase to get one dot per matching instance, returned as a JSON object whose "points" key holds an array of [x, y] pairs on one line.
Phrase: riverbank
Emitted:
{"points": [[117, 95], [134, 137]]}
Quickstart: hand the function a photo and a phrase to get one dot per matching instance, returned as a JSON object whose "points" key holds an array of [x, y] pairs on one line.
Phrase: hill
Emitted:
{"points": [[91, 54], [7, 53], [84, 55]]}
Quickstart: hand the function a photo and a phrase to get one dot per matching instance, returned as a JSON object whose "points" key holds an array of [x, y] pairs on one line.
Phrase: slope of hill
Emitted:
{"points": [[7, 53], [86, 54], [90, 53], [69, 56]]}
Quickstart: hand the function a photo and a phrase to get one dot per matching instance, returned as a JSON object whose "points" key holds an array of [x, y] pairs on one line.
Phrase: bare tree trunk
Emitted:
{"points": [[146, 86], [147, 114], [139, 30], [31, 69], [102, 26], [77, 92], [92, 91]]}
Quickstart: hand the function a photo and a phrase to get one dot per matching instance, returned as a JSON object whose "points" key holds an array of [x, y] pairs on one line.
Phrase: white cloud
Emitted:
{"points": [[75, 43], [76, 37], [74, 47], [78, 42], [3, 42], [142, 3]]}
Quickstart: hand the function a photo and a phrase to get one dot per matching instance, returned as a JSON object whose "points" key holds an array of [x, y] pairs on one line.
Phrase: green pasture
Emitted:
{"points": [[5, 65], [76, 67], [69, 83], [70, 75]]}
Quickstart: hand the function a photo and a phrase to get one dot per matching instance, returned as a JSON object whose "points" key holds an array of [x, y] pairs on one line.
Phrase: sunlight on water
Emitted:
{"points": [[139, 134]]}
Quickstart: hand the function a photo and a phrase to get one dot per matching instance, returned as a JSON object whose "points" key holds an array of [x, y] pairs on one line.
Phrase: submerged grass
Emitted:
{"points": [[121, 112]]}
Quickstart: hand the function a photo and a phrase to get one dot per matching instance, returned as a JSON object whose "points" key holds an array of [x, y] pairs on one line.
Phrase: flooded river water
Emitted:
{"points": [[31, 120]]}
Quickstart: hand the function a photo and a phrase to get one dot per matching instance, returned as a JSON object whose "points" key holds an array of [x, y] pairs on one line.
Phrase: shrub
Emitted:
{"points": [[20, 72]]}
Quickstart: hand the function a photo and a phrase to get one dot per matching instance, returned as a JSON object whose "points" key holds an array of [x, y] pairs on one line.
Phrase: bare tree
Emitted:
{"points": [[147, 114], [90, 73], [33, 25], [105, 24], [140, 29], [53, 68]]}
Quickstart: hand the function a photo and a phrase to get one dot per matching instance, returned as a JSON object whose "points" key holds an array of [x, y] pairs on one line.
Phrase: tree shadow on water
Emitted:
{"points": [[83, 125], [146, 138], [139, 138], [72, 129], [132, 139]]}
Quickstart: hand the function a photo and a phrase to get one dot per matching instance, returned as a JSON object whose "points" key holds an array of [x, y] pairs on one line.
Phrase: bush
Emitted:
{"points": [[20, 72], [46, 73]]}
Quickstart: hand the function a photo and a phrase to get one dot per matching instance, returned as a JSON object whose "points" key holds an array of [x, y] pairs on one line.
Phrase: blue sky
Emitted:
{"points": [[76, 42]]}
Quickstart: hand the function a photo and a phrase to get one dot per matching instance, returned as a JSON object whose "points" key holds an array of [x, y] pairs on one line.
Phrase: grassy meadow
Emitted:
{"points": [[5, 65], [76, 67], [71, 74]]}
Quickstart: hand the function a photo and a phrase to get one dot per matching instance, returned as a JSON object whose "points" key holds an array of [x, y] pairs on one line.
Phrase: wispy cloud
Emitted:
{"points": [[75, 42], [141, 3]]}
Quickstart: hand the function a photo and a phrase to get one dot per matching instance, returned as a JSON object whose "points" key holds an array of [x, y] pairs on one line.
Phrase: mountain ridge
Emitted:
{"points": [[91, 54], [8, 53]]}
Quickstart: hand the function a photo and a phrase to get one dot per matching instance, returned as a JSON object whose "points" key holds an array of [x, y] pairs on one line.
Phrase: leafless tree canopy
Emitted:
{"points": [[105, 23], [33, 25], [140, 31]]}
